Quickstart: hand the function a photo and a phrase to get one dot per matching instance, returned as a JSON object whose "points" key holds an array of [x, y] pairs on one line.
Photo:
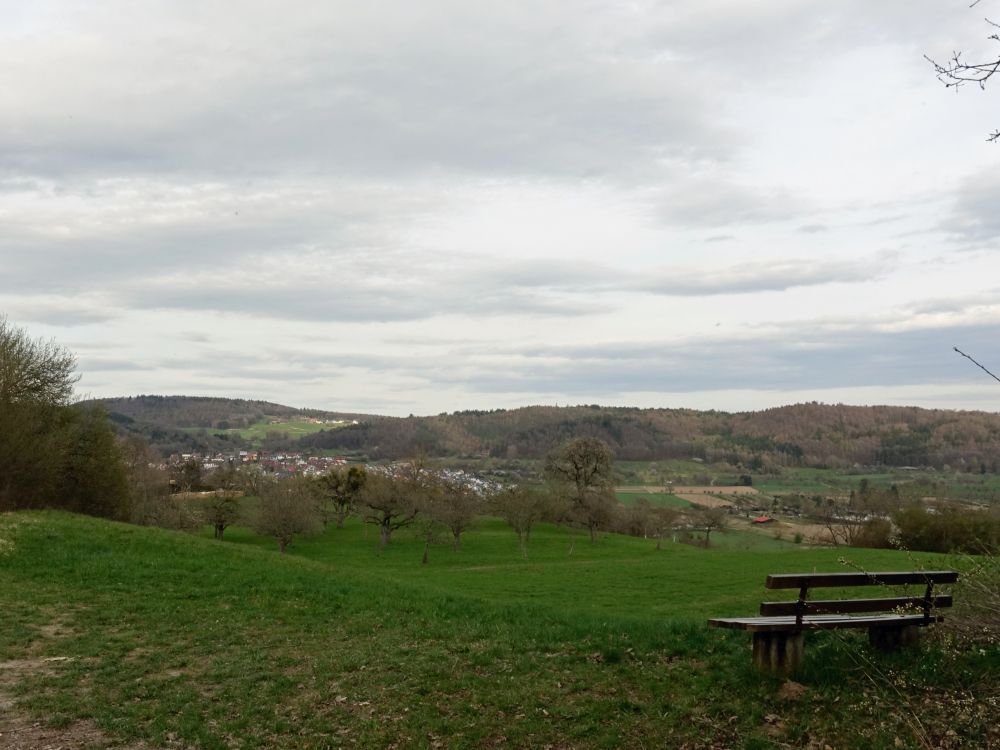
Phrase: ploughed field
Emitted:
{"points": [[114, 634]]}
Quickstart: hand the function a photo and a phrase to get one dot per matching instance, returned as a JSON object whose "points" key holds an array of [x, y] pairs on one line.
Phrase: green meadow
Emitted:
{"points": [[183, 641], [653, 498]]}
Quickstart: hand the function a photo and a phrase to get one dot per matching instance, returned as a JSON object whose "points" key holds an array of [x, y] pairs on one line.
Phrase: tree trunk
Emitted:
{"points": [[427, 544], [659, 541], [219, 528], [282, 544], [593, 534], [385, 533], [340, 520], [458, 540]]}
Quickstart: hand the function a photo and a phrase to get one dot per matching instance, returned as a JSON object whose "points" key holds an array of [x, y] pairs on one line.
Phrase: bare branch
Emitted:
{"points": [[975, 362]]}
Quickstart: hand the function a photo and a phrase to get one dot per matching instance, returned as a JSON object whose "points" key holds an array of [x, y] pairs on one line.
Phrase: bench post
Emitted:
{"points": [[778, 652], [888, 639]]}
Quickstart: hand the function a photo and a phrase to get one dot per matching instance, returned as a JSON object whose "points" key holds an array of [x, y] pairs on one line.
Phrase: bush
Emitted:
{"points": [[948, 530]]}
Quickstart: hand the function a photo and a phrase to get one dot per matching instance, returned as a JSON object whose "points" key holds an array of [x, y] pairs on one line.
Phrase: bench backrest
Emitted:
{"points": [[805, 581]]}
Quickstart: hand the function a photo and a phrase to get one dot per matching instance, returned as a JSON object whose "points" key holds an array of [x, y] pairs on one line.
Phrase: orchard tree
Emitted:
{"points": [[580, 472], [454, 505], [287, 509], [221, 510], [711, 519], [522, 508], [392, 502], [340, 490]]}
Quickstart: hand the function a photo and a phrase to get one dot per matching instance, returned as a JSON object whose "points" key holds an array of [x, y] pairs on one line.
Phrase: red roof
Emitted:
{"points": [[763, 519]]}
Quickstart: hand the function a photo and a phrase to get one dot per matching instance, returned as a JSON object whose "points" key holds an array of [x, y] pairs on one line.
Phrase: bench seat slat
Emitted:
{"points": [[816, 580], [818, 622], [846, 606]]}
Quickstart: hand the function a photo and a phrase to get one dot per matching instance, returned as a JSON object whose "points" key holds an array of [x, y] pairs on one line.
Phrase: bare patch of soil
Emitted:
{"points": [[19, 731]]}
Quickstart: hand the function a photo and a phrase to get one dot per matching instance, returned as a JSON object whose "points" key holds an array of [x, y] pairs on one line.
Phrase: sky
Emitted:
{"points": [[395, 207]]}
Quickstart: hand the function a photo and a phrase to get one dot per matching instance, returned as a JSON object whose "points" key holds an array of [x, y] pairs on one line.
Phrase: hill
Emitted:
{"points": [[125, 634], [813, 434], [819, 435], [183, 424]]}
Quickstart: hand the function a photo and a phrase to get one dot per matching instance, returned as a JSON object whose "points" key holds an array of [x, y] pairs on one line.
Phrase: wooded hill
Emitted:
{"points": [[812, 434], [182, 424]]}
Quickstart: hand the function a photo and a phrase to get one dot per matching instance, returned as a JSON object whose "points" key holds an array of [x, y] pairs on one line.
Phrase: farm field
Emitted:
{"points": [[256, 433], [126, 634]]}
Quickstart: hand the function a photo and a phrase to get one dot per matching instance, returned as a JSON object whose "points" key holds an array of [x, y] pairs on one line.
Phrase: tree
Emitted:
{"points": [[287, 509], [33, 371], [221, 510], [580, 471], [340, 490], [146, 480], [662, 521], [454, 505], [711, 519], [956, 72], [521, 508], [186, 476], [392, 502], [53, 454]]}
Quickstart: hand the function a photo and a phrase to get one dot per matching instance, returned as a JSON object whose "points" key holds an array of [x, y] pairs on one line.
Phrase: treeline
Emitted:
{"points": [[53, 453], [817, 435]]}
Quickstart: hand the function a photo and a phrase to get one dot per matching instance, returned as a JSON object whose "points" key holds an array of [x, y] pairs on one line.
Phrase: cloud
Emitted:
{"points": [[342, 88], [766, 275], [974, 218]]}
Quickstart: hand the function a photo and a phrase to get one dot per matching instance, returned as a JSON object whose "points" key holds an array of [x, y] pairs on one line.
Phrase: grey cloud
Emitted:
{"points": [[719, 202], [344, 89], [58, 314], [798, 359], [975, 218], [812, 228]]}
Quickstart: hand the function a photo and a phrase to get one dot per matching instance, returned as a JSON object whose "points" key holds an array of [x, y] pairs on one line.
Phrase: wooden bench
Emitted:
{"points": [[892, 622]]}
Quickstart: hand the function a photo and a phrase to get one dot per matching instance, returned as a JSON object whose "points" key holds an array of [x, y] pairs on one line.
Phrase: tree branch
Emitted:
{"points": [[976, 363]]}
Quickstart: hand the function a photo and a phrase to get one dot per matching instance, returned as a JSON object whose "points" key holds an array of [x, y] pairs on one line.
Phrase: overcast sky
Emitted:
{"points": [[415, 207]]}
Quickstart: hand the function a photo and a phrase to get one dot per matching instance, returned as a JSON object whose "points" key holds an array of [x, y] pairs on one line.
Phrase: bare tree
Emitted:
{"points": [[580, 471], [711, 519], [521, 508], [957, 72], [662, 521], [390, 503], [454, 504], [340, 490], [287, 509]]}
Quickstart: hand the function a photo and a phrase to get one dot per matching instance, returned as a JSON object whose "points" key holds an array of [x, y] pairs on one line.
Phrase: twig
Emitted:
{"points": [[976, 363]]}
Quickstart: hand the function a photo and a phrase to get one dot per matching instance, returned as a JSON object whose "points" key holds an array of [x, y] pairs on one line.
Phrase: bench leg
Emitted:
{"points": [[778, 652], [893, 639]]}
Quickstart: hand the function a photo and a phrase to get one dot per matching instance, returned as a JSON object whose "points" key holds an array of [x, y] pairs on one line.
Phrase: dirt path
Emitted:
{"points": [[19, 731]]}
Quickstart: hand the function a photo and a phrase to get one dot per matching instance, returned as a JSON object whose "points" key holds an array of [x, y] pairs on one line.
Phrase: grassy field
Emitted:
{"points": [[256, 433], [654, 498], [183, 641]]}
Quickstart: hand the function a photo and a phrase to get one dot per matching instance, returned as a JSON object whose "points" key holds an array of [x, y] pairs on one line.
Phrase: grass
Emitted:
{"points": [[181, 640], [654, 498], [256, 433]]}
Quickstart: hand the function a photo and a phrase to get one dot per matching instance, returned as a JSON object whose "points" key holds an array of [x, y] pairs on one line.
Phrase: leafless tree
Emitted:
{"points": [[339, 492], [392, 502], [522, 508], [580, 471], [287, 509], [712, 519], [957, 71]]}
